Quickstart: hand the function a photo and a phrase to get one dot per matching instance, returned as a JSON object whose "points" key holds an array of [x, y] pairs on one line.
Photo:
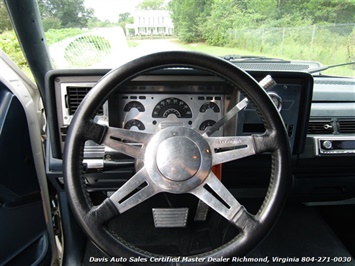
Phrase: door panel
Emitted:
{"points": [[22, 225]]}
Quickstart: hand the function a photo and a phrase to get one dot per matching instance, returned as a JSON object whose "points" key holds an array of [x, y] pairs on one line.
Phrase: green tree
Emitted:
{"points": [[188, 17], [70, 13], [330, 11], [51, 23], [224, 15], [124, 19], [5, 23], [94, 22], [152, 5], [213, 20], [318, 11]]}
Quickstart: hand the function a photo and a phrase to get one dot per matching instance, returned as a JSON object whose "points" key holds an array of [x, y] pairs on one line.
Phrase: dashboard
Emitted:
{"points": [[195, 99]]}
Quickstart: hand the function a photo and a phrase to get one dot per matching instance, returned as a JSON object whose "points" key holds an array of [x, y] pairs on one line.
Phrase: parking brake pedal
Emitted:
{"points": [[170, 217]]}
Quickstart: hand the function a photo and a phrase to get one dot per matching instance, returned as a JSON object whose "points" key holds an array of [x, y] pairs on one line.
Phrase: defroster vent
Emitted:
{"points": [[75, 96]]}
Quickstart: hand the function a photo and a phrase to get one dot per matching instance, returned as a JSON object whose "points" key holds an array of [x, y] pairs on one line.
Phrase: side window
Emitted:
{"points": [[9, 43]]}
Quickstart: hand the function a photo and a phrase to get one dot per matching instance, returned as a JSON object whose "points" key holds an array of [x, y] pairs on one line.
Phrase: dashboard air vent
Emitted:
{"points": [[320, 126], [75, 96], [346, 125]]}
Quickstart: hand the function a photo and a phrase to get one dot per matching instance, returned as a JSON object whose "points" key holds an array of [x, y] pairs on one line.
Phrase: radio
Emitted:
{"points": [[335, 145]]}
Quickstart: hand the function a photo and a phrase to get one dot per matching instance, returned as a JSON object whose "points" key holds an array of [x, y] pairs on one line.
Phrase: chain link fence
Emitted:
{"points": [[329, 44], [100, 47]]}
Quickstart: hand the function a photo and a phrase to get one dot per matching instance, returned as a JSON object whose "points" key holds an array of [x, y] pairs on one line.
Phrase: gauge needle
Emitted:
{"points": [[266, 83]]}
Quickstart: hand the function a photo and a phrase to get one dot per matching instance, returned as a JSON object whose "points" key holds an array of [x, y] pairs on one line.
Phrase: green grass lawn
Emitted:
{"points": [[213, 50], [222, 51]]}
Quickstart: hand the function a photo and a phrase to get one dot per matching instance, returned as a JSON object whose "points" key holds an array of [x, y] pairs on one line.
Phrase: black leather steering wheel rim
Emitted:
{"points": [[82, 128]]}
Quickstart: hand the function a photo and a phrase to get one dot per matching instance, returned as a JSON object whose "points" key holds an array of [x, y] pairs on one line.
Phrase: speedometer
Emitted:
{"points": [[174, 106]]}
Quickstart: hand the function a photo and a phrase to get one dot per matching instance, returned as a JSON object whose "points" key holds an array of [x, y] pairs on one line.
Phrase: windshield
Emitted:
{"points": [[107, 33]]}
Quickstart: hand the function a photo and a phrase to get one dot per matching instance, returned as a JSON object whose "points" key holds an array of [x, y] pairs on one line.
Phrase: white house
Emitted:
{"points": [[151, 22]]}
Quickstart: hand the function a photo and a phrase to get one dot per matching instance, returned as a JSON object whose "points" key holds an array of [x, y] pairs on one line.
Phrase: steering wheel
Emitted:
{"points": [[177, 160]]}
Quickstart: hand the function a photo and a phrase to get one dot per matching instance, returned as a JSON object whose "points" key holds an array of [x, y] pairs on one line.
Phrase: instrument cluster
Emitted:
{"points": [[153, 112]]}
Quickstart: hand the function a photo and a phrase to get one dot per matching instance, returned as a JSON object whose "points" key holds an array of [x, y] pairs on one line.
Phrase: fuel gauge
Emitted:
{"points": [[134, 123]]}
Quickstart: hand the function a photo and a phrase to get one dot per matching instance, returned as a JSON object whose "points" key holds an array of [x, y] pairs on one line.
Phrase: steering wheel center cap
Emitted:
{"points": [[178, 158]]}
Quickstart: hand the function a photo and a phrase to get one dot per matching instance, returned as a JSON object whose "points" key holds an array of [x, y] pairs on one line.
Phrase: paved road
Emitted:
{"points": [[144, 47], [152, 46]]}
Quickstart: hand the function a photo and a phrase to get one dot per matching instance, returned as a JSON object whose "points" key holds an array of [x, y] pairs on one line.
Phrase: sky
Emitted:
{"points": [[110, 9]]}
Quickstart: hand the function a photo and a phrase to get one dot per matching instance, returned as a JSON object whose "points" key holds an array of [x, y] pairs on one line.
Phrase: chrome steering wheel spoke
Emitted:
{"points": [[219, 198], [118, 138], [136, 190], [225, 149]]}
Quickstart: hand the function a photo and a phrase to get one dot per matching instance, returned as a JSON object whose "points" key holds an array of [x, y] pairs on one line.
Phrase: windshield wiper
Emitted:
{"points": [[319, 69], [253, 58]]}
